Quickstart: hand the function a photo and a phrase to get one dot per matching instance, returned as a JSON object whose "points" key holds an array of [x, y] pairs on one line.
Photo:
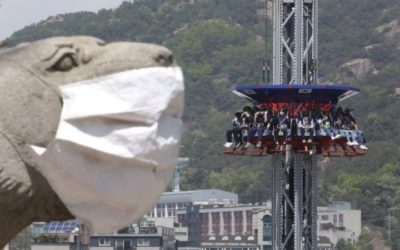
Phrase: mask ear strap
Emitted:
{"points": [[54, 89]]}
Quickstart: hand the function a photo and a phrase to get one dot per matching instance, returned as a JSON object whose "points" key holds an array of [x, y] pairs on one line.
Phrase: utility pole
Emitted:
{"points": [[176, 177], [389, 228]]}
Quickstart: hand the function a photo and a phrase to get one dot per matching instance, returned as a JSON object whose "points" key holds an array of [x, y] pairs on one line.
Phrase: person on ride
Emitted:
{"points": [[246, 122], [236, 132], [326, 126], [349, 120], [259, 125], [269, 122], [348, 124], [281, 125], [355, 137], [306, 125], [337, 115]]}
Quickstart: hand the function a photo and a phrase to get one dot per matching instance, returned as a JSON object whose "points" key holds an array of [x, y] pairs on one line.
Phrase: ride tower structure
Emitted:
{"points": [[295, 44], [295, 53], [294, 159]]}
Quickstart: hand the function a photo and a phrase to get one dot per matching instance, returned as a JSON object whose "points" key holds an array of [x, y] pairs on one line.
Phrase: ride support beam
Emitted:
{"points": [[295, 43], [294, 202]]}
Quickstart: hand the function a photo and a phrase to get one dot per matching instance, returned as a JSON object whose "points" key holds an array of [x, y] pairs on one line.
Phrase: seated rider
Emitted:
{"points": [[354, 136], [326, 126], [337, 115], [236, 131], [281, 125], [349, 122], [306, 125], [246, 121], [259, 125], [269, 122]]}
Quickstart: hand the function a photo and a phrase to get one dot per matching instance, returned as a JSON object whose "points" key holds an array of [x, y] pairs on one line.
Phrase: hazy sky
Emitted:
{"points": [[16, 14]]}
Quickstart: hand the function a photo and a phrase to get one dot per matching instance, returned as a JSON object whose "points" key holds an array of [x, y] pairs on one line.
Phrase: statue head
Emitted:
{"points": [[31, 105]]}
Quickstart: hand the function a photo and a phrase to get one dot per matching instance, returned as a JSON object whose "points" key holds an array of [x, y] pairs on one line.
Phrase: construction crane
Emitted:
{"points": [[294, 88]]}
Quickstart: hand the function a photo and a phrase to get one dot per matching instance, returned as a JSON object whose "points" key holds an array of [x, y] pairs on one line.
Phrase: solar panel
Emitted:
{"points": [[60, 226]]}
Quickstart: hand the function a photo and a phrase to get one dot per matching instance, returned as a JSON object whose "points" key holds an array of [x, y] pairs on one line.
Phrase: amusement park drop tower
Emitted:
{"points": [[294, 85]]}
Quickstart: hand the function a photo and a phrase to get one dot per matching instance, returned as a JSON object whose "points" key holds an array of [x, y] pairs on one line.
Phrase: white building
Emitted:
{"points": [[171, 201], [338, 221]]}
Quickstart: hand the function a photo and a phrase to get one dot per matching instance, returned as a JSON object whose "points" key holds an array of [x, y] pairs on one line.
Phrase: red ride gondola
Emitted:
{"points": [[295, 99]]}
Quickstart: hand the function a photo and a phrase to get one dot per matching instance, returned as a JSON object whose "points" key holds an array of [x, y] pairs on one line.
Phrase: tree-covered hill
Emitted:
{"points": [[220, 43]]}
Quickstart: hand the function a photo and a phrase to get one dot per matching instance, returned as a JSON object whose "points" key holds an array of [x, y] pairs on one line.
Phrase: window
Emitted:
{"points": [[335, 219], [325, 217], [127, 244], [340, 220], [119, 244], [104, 242], [238, 238], [142, 242]]}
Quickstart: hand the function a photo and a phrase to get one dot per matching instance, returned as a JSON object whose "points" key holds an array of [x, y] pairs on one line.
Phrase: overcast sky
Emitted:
{"points": [[16, 14]]}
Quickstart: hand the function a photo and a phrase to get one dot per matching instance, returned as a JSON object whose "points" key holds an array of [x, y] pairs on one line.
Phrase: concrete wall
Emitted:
{"points": [[50, 247], [352, 221], [349, 230], [148, 248], [182, 233]]}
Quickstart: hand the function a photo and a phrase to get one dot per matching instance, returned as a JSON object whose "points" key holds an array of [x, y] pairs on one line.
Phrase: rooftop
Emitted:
{"points": [[202, 196]]}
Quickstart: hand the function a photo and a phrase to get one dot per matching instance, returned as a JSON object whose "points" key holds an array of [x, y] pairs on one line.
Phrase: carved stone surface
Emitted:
{"points": [[30, 109]]}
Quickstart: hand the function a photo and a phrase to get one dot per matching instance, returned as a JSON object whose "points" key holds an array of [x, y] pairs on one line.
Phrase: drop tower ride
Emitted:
{"points": [[295, 87]]}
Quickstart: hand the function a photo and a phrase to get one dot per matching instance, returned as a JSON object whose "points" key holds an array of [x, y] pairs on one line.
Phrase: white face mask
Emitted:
{"points": [[116, 145]]}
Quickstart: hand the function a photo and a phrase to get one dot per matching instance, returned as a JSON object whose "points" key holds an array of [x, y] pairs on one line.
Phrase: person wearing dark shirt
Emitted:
{"points": [[236, 131], [306, 125], [281, 125], [355, 137], [259, 126], [246, 122]]}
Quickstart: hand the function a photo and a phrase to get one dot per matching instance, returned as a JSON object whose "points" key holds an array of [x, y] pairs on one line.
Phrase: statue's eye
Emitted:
{"points": [[65, 63]]}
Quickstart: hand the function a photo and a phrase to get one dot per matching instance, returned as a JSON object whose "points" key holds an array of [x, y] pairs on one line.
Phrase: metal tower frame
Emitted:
{"points": [[294, 202], [294, 205], [295, 44]]}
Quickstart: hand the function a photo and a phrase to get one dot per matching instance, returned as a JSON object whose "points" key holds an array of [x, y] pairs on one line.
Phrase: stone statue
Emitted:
{"points": [[30, 112]]}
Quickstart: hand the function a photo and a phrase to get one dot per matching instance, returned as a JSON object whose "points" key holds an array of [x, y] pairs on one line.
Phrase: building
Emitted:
{"points": [[171, 201], [225, 223], [142, 236], [247, 226], [159, 238], [338, 221], [324, 243], [204, 220], [229, 242]]}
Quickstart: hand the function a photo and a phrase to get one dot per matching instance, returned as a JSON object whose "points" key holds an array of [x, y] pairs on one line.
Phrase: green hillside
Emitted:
{"points": [[220, 43]]}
